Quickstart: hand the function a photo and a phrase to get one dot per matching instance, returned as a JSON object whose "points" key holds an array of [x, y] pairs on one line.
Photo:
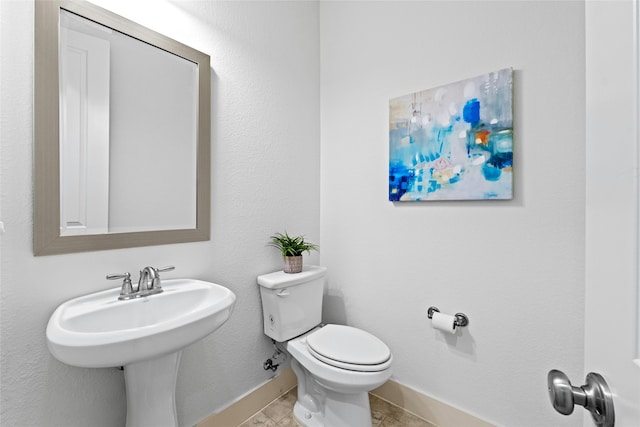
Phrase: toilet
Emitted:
{"points": [[336, 365]]}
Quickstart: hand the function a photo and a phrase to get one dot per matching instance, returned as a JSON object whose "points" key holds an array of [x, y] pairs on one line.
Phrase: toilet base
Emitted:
{"points": [[306, 417], [340, 410], [318, 406]]}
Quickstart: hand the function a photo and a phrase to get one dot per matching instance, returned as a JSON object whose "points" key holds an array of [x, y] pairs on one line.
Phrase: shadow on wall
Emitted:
{"points": [[333, 308], [461, 342]]}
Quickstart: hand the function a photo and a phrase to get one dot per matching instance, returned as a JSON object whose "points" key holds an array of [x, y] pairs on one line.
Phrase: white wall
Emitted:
{"points": [[265, 121], [516, 268]]}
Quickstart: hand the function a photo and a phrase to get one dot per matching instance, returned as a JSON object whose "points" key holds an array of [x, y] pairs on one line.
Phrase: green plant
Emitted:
{"points": [[291, 246]]}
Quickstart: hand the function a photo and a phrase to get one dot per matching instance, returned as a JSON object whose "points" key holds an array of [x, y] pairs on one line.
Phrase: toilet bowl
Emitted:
{"points": [[334, 392], [336, 365]]}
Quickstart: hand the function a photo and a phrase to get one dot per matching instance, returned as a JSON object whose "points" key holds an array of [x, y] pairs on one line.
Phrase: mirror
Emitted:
{"points": [[121, 136]]}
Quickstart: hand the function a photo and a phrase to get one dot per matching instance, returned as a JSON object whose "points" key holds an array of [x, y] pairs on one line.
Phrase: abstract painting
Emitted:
{"points": [[453, 142]]}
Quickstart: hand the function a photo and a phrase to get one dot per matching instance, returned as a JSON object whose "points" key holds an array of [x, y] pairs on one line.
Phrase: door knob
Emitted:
{"points": [[594, 396]]}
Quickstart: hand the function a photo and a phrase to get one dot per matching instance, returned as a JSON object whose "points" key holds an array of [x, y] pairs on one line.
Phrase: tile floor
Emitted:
{"points": [[279, 413]]}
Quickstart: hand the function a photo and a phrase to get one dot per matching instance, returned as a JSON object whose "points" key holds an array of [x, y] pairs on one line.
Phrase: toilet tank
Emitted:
{"points": [[291, 303]]}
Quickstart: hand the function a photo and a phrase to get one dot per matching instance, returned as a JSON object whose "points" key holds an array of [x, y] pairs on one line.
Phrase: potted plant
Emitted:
{"points": [[292, 249]]}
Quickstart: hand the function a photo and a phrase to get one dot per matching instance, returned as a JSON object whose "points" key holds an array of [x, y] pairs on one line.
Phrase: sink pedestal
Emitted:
{"points": [[151, 391]]}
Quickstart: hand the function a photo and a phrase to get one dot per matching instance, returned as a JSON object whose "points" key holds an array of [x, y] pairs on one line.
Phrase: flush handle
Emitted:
{"points": [[283, 293], [595, 396]]}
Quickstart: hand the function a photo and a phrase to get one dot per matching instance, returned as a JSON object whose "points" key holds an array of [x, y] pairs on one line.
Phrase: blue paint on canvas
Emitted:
{"points": [[454, 142], [471, 111]]}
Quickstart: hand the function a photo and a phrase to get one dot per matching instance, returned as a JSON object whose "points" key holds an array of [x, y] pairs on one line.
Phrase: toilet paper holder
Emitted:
{"points": [[461, 318]]}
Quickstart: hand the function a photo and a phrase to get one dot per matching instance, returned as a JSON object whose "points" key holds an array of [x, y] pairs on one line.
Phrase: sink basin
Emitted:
{"points": [[145, 335], [98, 330]]}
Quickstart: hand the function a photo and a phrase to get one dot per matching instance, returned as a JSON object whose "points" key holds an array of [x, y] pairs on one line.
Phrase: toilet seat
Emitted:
{"points": [[349, 348]]}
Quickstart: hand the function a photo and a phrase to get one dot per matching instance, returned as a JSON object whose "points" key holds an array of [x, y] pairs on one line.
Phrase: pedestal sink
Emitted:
{"points": [[144, 335]]}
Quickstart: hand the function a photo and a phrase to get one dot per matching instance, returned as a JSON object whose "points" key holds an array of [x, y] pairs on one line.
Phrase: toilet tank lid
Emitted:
{"points": [[280, 279]]}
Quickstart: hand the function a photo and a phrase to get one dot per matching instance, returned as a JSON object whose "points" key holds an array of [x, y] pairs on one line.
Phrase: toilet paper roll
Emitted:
{"points": [[444, 322]]}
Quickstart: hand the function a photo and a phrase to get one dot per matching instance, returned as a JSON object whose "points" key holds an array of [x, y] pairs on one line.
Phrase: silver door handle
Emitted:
{"points": [[594, 396]]}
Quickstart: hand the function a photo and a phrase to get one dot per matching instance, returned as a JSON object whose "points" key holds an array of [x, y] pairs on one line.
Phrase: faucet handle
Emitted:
{"points": [[127, 289], [156, 283]]}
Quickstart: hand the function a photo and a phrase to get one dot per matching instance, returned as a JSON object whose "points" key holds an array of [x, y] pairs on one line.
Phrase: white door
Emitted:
{"points": [[84, 133], [612, 318]]}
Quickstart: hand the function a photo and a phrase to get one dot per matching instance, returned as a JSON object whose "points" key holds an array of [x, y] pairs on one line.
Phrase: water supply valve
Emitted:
{"points": [[268, 364], [277, 355]]}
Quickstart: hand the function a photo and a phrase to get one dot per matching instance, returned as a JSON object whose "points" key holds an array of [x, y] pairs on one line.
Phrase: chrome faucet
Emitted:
{"points": [[146, 281], [148, 284]]}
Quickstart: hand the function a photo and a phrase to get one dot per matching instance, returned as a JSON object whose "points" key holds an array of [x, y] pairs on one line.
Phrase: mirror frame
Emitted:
{"points": [[46, 209]]}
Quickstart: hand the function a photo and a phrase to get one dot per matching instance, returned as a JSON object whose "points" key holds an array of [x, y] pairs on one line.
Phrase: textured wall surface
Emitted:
{"points": [[516, 268], [265, 131]]}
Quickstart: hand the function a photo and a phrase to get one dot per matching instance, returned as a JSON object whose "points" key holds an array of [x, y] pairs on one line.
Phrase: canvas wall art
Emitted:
{"points": [[453, 142]]}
